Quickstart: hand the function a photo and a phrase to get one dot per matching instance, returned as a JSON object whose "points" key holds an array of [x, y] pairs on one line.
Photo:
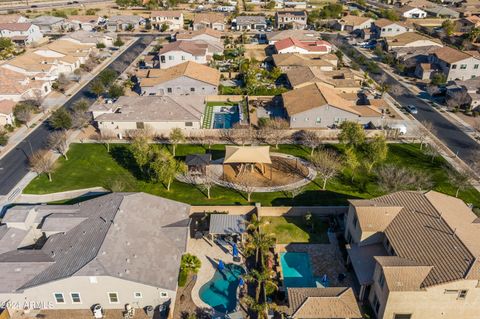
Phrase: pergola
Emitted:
{"points": [[197, 163], [247, 157], [227, 225]]}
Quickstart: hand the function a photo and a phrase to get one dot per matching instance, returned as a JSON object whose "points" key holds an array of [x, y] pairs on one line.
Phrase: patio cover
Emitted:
{"points": [[247, 154], [198, 159], [363, 262], [224, 224]]}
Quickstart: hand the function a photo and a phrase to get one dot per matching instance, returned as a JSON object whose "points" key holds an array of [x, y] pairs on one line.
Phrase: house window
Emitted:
{"points": [[375, 303], [113, 297], [137, 295], [462, 294], [192, 89], [402, 316], [475, 67], [75, 297], [171, 58], [188, 123], [306, 119], [318, 120], [140, 125], [169, 90], [183, 58], [59, 297], [381, 280], [463, 66], [454, 66], [162, 59]]}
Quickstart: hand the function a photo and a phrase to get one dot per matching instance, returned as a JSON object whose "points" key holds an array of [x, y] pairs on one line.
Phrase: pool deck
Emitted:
{"points": [[209, 255]]}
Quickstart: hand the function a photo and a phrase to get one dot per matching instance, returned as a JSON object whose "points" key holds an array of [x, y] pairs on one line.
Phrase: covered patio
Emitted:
{"points": [[225, 226]]}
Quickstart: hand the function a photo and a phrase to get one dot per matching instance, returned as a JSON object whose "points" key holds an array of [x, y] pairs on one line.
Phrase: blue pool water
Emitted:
{"points": [[226, 119], [296, 270], [220, 292]]}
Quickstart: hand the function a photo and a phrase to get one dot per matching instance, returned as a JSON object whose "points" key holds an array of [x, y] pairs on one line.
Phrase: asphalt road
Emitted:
{"points": [[54, 4], [453, 137], [14, 166]]}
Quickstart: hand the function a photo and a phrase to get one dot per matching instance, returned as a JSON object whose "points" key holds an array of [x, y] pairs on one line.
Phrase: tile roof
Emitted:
{"points": [[189, 69], [402, 274], [318, 95], [167, 13], [210, 17], [47, 20], [451, 55], [323, 303], [6, 106], [406, 38], [436, 230], [155, 109], [84, 18], [385, 22], [292, 13], [312, 46], [337, 78], [352, 20], [194, 34], [193, 48], [15, 26], [105, 240], [250, 20], [15, 83], [301, 35], [295, 59], [10, 18]]}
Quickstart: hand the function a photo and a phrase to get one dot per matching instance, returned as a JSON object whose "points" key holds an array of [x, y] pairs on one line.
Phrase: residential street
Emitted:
{"points": [[452, 136], [14, 165]]}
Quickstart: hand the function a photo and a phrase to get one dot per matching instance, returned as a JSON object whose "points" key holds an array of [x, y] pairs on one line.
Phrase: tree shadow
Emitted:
{"points": [[315, 198], [122, 155]]}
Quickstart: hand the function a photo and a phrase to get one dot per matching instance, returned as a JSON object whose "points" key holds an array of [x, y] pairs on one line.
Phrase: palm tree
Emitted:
{"points": [[255, 223], [190, 263], [258, 242], [261, 308], [261, 278]]}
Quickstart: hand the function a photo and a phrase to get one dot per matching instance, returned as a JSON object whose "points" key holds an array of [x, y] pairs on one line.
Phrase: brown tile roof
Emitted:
{"points": [[318, 95], [15, 83], [210, 17], [167, 13], [6, 106], [385, 22], [402, 274], [192, 34], [337, 78], [301, 35], [10, 18], [15, 26], [312, 46], [353, 20], [451, 55], [293, 59], [185, 46], [322, 303], [408, 37], [434, 229], [189, 69], [84, 18]]}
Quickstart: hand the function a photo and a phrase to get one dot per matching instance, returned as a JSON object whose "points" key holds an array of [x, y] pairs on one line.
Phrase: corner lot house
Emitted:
{"points": [[412, 12], [455, 64], [247, 23], [385, 28], [117, 249], [159, 113], [178, 52], [17, 86], [188, 78], [173, 19], [352, 23], [415, 255], [21, 33], [290, 45], [212, 20], [6, 112], [297, 20], [49, 24], [316, 105]]}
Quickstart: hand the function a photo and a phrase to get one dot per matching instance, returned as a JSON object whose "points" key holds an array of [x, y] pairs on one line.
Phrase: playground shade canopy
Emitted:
{"points": [[247, 154]]}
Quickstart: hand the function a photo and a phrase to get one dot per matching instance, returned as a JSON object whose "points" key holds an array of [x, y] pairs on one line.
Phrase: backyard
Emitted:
{"points": [[289, 230], [91, 165]]}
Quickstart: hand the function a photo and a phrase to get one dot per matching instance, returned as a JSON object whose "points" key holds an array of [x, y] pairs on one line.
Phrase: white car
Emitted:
{"points": [[399, 127]]}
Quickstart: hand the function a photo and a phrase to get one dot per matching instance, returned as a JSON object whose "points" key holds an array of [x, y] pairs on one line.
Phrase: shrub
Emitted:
{"points": [[101, 46], [182, 278]]}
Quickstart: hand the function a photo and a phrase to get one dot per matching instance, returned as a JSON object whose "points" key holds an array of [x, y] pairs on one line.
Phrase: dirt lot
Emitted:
{"points": [[256, 51]]}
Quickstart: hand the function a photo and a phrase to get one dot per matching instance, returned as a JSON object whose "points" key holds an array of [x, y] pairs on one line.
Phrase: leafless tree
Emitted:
{"points": [[422, 132], [58, 141], [243, 135], [246, 183], [396, 90], [296, 191], [42, 162], [208, 181], [432, 150], [106, 136], [432, 90], [457, 98], [327, 163], [392, 178], [23, 115], [460, 179], [209, 139], [228, 135], [273, 131], [310, 139], [80, 119]]}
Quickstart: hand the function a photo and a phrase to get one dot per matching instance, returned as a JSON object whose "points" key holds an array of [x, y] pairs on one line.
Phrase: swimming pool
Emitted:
{"points": [[296, 270], [220, 292], [226, 117]]}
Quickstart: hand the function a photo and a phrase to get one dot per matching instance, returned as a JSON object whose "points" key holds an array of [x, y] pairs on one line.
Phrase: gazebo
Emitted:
{"points": [[247, 157], [227, 225], [197, 163]]}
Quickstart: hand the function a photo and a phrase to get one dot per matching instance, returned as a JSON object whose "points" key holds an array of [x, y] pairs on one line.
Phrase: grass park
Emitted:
{"points": [[90, 165]]}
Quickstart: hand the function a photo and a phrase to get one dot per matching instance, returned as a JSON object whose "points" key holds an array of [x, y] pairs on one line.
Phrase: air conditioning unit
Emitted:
{"points": [[98, 311]]}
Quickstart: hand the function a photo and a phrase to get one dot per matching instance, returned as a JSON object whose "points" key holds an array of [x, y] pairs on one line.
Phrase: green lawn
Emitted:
{"points": [[90, 165], [295, 230]]}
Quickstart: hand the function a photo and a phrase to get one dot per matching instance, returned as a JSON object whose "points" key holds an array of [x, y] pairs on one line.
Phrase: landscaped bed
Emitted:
{"points": [[289, 230], [91, 165]]}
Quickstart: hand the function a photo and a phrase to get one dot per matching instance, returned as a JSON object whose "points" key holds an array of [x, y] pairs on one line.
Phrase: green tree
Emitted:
{"points": [[101, 45], [190, 263], [163, 27], [376, 151], [309, 220], [97, 88], [166, 167], [438, 79], [107, 77], [389, 14], [115, 91], [351, 161], [448, 27], [148, 25], [80, 106], [258, 243], [176, 137], [331, 11], [3, 137], [270, 5], [473, 35], [141, 151], [61, 119], [7, 48], [260, 308], [351, 133], [261, 278], [91, 12], [118, 42]]}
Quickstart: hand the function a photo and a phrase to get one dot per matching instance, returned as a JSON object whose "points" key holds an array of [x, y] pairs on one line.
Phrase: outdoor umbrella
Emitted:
{"points": [[235, 250], [324, 280], [241, 282], [221, 265]]}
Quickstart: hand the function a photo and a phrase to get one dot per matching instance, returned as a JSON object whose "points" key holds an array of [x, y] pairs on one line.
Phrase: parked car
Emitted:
{"points": [[400, 128], [412, 109]]}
